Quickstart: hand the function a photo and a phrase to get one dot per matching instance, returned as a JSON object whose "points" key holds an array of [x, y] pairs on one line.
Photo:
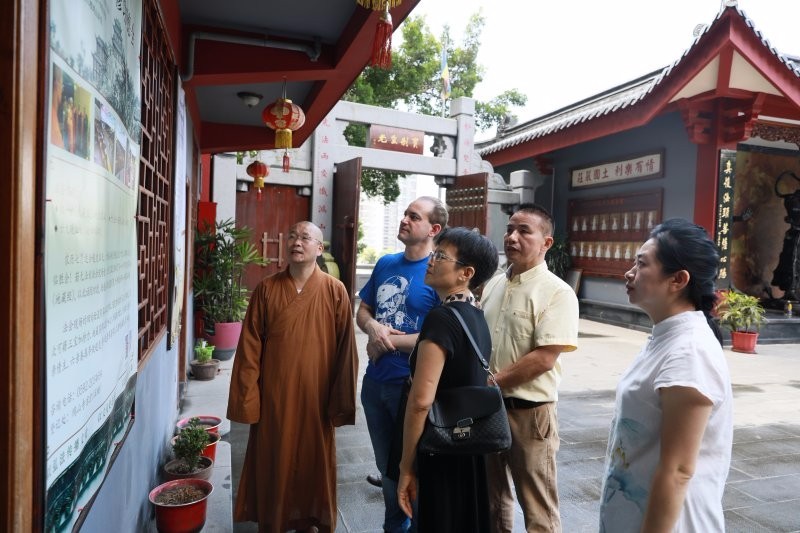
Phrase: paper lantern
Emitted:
{"points": [[284, 117], [258, 171]]}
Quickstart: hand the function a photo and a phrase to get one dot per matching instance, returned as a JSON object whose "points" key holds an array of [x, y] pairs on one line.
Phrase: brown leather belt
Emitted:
{"points": [[517, 403]]}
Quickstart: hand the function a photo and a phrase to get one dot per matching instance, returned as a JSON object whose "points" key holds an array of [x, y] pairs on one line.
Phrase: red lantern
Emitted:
{"points": [[284, 117], [258, 171]]}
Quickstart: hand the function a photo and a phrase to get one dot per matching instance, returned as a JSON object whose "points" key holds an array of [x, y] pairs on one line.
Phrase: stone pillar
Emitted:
{"points": [[323, 157], [463, 110], [525, 183]]}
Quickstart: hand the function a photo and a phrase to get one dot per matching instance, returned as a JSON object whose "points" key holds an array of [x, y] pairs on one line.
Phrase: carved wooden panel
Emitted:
{"points": [[467, 201], [155, 173]]}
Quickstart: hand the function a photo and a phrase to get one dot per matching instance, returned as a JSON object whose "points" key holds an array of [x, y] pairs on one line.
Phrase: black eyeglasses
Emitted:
{"points": [[305, 238], [439, 256]]}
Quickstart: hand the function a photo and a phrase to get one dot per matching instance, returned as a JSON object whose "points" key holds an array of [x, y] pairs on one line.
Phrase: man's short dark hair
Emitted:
{"points": [[549, 225]]}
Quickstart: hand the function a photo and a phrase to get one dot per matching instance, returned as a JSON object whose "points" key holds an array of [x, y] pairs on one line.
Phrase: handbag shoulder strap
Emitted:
{"points": [[470, 337]]}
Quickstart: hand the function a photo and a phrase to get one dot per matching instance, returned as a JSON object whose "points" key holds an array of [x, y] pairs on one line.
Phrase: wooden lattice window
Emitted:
{"points": [[155, 171]]}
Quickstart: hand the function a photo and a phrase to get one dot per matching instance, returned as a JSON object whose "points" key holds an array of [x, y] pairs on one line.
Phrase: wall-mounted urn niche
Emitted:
{"points": [[605, 232]]}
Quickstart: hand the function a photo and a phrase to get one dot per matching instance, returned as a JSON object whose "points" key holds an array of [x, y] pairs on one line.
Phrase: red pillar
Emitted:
{"points": [[705, 186], [205, 177]]}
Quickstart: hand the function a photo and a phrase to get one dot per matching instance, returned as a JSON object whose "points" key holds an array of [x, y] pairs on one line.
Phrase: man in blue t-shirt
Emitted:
{"points": [[394, 303]]}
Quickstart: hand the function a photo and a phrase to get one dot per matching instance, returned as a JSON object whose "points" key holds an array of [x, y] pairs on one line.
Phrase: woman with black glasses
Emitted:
{"points": [[450, 490]]}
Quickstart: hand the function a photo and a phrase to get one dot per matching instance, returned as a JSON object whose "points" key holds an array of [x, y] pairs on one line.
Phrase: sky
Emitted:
{"points": [[558, 52]]}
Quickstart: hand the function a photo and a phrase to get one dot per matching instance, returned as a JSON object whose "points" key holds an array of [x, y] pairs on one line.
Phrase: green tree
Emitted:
{"points": [[414, 83], [368, 256], [360, 244]]}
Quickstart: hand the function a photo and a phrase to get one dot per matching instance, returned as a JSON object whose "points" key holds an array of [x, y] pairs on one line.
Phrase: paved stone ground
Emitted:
{"points": [[763, 488]]}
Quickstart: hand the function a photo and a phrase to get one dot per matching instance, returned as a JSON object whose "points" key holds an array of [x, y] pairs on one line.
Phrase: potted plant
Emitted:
{"points": [[221, 255], [743, 315], [558, 258], [181, 505], [210, 423], [188, 448], [210, 450], [203, 366]]}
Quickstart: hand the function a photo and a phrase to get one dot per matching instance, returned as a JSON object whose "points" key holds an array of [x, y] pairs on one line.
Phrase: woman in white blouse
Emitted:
{"points": [[670, 444]]}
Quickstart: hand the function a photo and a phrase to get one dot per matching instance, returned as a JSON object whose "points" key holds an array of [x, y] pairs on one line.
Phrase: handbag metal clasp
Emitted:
{"points": [[462, 429]]}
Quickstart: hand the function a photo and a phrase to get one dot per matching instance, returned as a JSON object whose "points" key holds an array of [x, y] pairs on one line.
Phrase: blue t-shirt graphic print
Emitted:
{"points": [[391, 307], [399, 298]]}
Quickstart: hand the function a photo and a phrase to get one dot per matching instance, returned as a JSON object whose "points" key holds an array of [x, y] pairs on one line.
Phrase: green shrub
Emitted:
{"points": [[739, 311], [190, 443], [222, 253]]}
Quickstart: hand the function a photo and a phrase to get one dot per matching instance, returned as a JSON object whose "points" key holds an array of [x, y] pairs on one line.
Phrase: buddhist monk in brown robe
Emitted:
{"points": [[294, 381]]}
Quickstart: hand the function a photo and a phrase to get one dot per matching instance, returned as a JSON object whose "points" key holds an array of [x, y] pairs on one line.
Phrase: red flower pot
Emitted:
{"points": [[225, 339], [170, 471], [211, 422], [181, 518], [743, 341], [210, 450]]}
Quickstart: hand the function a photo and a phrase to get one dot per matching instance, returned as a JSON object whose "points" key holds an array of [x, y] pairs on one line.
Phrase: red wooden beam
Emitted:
{"points": [[353, 53], [705, 186], [217, 137], [335, 72], [221, 63], [724, 70], [171, 13], [594, 129], [765, 62]]}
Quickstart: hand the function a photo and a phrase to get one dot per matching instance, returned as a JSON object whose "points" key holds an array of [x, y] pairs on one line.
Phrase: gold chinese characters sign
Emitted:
{"points": [[396, 139], [727, 175], [639, 167]]}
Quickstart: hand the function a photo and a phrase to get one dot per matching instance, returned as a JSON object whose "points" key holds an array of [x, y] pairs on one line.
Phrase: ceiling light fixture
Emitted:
{"points": [[249, 99]]}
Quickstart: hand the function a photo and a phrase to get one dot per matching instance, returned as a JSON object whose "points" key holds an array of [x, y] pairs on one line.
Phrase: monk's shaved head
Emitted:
{"points": [[305, 226]]}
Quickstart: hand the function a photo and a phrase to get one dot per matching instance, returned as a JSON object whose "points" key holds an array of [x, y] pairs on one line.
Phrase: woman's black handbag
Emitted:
{"points": [[469, 420]]}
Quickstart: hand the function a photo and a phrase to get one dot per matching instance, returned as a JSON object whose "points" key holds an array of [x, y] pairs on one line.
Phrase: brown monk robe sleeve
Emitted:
{"points": [[342, 402], [244, 397]]}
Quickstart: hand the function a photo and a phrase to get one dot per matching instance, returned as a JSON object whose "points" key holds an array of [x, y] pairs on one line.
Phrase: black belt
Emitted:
{"points": [[517, 403]]}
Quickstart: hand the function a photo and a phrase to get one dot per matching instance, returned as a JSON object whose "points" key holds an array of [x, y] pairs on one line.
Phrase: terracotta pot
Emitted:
{"points": [[211, 422], [744, 341], [181, 518], [225, 339], [210, 450], [204, 371], [203, 471]]}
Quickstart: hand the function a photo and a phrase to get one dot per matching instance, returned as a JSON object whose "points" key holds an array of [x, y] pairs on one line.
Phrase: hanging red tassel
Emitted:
{"points": [[286, 161], [382, 45]]}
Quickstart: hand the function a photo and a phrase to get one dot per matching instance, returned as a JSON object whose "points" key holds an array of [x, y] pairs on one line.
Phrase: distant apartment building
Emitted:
{"points": [[380, 222]]}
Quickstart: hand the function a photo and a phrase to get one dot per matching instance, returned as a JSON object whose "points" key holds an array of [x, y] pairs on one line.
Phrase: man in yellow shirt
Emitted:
{"points": [[533, 318]]}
